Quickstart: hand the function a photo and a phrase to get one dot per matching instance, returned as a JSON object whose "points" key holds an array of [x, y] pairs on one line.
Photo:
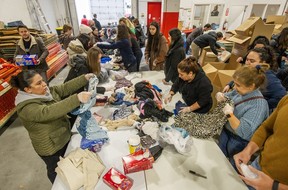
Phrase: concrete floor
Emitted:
{"points": [[21, 167]]}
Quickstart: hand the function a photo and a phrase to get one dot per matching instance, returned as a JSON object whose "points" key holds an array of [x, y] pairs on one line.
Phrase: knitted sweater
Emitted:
{"points": [[272, 135], [46, 120], [250, 113]]}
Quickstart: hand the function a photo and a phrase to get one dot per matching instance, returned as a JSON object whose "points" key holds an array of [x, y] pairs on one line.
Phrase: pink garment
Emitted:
{"points": [[84, 21]]}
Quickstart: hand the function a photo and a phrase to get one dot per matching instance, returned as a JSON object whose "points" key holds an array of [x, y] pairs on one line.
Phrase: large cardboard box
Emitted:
{"points": [[218, 76], [246, 33], [280, 22], [207, 56]]}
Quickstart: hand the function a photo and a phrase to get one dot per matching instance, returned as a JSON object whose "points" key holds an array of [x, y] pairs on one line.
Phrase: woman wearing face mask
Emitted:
{"points": [[43, 112], [249, 111], [175, 55], [194, 86], [273, 90], [156, 48]]}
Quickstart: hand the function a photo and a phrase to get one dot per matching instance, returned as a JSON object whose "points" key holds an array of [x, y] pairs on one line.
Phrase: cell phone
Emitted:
{"points": [[147, 141]]}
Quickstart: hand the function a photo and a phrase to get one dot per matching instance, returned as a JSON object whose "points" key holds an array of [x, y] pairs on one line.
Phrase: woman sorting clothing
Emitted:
{"points": [[43, 112], [156, 48], [272, 90], [175, 55], [249, 111], [194, 86], [124, 45]]}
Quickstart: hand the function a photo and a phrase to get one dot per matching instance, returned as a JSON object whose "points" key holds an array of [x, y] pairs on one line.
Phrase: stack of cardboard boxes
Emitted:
{"points": [[280, 22]]}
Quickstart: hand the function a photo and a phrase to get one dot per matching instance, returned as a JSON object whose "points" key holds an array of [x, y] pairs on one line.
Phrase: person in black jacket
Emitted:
{"points": [[194, 86], [175, 55], [195, 33], [97, 23], [139, 33], [204, 40]]}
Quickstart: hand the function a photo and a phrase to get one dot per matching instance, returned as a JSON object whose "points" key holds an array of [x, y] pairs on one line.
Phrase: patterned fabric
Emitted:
{"points": [[122, 112], [206, 125]]}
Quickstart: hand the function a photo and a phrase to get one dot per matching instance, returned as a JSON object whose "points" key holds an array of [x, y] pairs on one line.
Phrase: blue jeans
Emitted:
{"points": [[231, 144]]}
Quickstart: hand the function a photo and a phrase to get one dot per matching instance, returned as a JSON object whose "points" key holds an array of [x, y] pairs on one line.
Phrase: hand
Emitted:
{"points": [[168, 99], [263, 181], [226, 88], [239, 59], [222, 48], [89, 75], [164, 82], [185, 109], [220, 97], [228, 109], [84, 97], [154, 64], [241, 157]]}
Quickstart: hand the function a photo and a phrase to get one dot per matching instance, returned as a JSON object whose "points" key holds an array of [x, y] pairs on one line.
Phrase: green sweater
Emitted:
{"points": [[272, 136], [46, 121]]}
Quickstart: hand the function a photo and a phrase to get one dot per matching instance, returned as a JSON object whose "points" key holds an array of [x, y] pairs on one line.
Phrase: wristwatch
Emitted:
{"points": [[229, 115]]}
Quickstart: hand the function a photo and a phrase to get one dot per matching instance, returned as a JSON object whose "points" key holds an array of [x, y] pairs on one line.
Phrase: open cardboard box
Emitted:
{"points": [[218, 76], [280, 22], [207, 56]]}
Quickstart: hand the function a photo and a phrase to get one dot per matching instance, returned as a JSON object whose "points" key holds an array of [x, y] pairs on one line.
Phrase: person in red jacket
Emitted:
{"points": [[84, 20]]}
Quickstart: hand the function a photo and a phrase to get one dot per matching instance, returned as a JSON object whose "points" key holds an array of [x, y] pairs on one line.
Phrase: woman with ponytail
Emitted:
{"points": [[156, 47], [250, 109], [194, 86], [175, 55], [273, 90]]}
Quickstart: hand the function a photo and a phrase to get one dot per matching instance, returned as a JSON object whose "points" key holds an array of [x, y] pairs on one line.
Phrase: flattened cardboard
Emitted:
{"points": [[277, 19]]}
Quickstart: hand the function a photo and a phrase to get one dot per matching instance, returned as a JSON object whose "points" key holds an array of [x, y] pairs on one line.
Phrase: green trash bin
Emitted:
{"points": [[59, 30]]}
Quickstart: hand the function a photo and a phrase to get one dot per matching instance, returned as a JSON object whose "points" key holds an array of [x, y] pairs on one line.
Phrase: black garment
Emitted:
{"points": [[79, 67], [198, 90], [209, 39], [175, 55], [191, 37], [279, 52], [64, 40], [151, 109], [140, 35], [51, 163], [97, 24], [136, 51], [27, 45]]}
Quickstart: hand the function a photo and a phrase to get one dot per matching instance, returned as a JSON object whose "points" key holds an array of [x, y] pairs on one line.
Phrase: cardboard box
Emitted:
{"points": [[26, 60], [246, 33], [280, 22], [207, 56], [116, 180], [137, 161], [218, 76]]}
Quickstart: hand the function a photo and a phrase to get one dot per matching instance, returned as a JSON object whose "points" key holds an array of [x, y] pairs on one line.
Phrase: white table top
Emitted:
{"points": [[171, 170]]}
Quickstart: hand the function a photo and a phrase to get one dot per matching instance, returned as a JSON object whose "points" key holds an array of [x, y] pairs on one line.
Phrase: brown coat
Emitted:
{"points": [[157, 58]]}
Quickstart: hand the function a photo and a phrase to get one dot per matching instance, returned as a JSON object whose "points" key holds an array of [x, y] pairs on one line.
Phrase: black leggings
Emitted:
{"points": [[51, 163]]}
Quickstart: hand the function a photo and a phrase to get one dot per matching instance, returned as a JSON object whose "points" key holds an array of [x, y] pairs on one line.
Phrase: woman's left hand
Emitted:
{"points": [[164, 82], [185, 109], [262, 182], [89, 75]]}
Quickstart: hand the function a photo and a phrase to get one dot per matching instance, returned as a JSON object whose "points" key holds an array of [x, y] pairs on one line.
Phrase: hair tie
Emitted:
{"points": [[258, 67]]}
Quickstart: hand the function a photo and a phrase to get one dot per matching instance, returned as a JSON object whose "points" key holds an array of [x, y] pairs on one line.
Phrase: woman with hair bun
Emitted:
{"points": [[175, 55], [250, 109], [194, 86]]}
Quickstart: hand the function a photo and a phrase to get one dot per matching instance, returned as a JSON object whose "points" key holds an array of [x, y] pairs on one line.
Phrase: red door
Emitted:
{"points": [[154, 12]]}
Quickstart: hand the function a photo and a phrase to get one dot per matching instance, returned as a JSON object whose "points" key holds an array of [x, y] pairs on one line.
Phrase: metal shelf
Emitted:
{"points": [[7, 117]]}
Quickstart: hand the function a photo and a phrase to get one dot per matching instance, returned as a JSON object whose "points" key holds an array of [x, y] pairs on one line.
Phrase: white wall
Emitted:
{"points": [[12, 10]]}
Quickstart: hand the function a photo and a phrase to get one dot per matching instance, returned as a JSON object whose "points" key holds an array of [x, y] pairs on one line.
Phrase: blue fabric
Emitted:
{"points": [[257, 166], [105, 59], [231, 144], [156, 88], [250, 113], [178, 107], [119, 100], [86, 143], [89, 129]]}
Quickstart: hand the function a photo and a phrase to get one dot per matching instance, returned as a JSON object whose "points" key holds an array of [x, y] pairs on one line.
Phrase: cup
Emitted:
{"points": [[134, 144]]}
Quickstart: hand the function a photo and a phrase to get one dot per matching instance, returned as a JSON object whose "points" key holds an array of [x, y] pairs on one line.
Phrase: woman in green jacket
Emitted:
{"points": [[43, 112]]}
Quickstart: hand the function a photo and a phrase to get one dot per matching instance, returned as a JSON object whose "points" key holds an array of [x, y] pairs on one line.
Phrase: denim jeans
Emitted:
{"points": [[231, 144]]}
